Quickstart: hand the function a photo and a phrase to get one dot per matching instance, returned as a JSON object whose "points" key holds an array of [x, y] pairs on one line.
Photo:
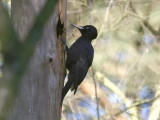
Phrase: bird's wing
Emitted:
{"points": [[79, 59], [78, 50], [90, 56], [78, 73], [72, 55]]}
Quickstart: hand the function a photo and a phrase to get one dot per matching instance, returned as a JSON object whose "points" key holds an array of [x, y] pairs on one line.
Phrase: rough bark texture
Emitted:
{"points": [[40, 93]]}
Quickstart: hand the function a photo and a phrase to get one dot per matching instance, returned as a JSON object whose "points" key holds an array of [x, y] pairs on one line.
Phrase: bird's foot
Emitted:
{"points": [[65, 45]]}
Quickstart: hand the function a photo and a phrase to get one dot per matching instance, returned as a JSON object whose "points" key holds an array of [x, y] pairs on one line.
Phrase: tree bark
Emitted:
{"points": [[40, 93]]}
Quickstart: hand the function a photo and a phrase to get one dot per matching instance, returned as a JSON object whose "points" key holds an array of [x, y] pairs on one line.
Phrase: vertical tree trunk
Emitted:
{"points": [[40, 93]]}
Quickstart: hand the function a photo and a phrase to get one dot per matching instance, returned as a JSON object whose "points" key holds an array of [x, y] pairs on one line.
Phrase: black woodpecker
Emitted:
{"points": [[79, 58]]}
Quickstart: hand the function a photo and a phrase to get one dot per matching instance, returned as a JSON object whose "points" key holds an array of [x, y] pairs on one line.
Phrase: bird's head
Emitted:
{"points": [[87, 31]]}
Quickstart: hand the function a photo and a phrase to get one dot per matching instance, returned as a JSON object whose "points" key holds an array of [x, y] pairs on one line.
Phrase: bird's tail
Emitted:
{"points": [[73, 88], [66, 89]]}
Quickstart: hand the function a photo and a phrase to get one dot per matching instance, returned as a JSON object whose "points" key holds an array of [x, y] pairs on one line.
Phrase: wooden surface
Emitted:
{"points": [[40, 93]]}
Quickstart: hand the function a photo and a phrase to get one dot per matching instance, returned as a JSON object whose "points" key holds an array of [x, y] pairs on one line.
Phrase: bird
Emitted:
{"points": [[79, 58]]}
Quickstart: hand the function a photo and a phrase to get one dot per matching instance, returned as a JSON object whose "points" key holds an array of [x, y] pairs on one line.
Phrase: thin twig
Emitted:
{"points": [[96, 94], [138, 104], [93, 74], [145, 21], [105, 19]]}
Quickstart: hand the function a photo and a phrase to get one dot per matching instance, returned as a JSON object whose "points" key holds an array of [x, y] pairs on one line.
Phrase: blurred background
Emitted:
{"points": [[124, 81], [126, 64]]}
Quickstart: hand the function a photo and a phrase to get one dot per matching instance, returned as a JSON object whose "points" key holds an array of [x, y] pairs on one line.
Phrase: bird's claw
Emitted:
{"points": [[65, 45]]}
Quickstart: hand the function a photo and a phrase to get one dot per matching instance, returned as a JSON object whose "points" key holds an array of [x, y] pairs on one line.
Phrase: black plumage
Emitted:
{"points": [[79, 58]]}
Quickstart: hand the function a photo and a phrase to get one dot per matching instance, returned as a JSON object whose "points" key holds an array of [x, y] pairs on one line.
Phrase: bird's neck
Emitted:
{"points": [[84, 38]]}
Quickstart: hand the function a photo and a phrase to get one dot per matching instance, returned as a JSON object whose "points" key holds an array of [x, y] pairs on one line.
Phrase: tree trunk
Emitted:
{"points": [[40, 92]]}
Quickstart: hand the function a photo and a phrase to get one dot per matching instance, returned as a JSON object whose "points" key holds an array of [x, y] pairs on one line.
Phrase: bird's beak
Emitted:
{"points": [[79, 27]]}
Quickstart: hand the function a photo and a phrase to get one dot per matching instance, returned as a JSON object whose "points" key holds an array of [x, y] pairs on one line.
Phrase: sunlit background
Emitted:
{"points": [[126, 66]]}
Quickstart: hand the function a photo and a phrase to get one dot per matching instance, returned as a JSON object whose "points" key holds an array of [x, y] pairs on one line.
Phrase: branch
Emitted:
{"points": [[8, 37], [152, 30], [105, 20], [95, 85], [117, 91], [138, 104], [145, 22]]}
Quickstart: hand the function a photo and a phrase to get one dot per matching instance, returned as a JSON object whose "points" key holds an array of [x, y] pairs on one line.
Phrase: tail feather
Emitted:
{"points": [[75, 90], [66, 89], [76, 75]]}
